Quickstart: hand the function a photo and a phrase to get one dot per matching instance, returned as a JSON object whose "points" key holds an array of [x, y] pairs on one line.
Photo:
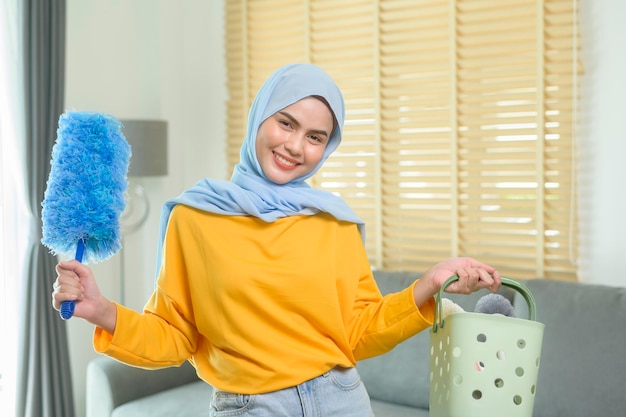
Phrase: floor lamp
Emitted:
{"points": [[148, 142]]}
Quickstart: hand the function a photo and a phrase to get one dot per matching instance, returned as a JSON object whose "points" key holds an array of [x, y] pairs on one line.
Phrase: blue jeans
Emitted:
{"points": [[338, 392]]}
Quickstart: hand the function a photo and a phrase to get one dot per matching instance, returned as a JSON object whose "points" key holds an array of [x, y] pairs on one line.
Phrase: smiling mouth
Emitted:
{"points": [[283, 161]]}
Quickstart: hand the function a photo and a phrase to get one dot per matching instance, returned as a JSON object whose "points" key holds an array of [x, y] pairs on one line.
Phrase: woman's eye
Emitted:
{"points": [[318, 139]]}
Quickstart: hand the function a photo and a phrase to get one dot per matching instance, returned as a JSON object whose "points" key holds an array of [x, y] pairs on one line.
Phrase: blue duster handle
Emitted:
{"points": [[67, 307]]}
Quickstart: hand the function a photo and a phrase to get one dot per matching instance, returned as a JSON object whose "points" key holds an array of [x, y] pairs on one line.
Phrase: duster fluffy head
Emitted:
{"points": [[85, 192], [495, 304]]}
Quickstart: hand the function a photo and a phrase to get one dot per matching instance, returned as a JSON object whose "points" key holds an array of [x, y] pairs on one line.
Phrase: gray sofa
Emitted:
{"points": [[582, 371]]}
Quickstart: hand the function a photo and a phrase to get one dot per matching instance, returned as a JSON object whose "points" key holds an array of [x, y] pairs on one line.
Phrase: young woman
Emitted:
{"points": [[263, 282]]}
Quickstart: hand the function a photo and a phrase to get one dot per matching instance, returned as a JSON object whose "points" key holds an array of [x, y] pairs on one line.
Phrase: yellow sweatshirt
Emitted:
{"points": [[258, 307]]}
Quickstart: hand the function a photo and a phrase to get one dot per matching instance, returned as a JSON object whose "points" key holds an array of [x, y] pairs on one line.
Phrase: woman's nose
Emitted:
{"points": [[293, 144]]}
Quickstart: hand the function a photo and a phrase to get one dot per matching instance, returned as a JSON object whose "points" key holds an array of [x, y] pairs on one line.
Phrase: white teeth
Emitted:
{"points": [[284, 161]]}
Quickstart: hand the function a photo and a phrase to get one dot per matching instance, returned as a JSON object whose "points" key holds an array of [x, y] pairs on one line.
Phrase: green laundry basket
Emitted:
{"points": [[484, 365]]}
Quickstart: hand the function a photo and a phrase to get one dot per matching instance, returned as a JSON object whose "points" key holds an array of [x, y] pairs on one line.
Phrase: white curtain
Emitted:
{"points": [[14, 225]]}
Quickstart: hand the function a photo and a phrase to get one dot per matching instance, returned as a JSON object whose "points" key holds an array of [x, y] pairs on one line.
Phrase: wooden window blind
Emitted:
{"points": [[460, 115]]}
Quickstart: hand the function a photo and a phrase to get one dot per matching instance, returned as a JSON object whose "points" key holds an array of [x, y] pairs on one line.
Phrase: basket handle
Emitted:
{"points": [[508, 282]]}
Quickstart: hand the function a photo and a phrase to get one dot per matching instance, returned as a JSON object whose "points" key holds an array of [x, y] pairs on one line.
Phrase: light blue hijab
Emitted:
{"points": [[249, 192]]}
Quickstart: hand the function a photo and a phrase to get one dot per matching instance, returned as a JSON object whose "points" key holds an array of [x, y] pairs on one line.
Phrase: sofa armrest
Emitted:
{"points": [[111, 383]]}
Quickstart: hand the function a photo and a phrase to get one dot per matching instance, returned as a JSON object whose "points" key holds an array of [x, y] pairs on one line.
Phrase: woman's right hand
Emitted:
{"points": [[473, 276], [75, 282]]}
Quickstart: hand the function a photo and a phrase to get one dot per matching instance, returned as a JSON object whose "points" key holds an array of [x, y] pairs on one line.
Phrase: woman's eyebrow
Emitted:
{"points": [[295, 122]]}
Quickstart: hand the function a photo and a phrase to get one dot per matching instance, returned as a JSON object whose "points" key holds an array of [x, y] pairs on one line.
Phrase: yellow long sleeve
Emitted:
{"points": [[261, 306]]}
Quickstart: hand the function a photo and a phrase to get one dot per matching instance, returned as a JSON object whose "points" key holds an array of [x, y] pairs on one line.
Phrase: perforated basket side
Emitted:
{"points": [[484, 365]]}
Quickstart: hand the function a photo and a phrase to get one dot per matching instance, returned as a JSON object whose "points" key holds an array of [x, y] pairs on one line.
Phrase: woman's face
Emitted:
{"points": [[291, 142]]}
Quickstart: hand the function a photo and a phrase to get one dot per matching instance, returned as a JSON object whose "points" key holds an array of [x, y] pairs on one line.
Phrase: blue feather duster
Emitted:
{"points": [[85, 191]]}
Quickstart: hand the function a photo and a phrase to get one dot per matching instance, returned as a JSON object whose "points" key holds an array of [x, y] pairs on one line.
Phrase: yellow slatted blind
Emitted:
{"points": [[237, 104], [500, 111], [417, 128], [459, 120], [344, 43]]}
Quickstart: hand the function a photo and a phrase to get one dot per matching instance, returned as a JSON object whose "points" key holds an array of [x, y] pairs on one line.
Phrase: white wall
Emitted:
{"points": [[148, 59], [164, 59], [602, 143]]}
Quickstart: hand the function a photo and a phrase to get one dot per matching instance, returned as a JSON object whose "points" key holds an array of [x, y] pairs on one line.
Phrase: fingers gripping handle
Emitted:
{"points": [[508, 282], [67, 307]]}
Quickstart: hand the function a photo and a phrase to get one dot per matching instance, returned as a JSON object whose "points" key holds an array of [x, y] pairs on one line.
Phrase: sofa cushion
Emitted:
{"points": [[582, 370], [111, 383], [184, 401], [385, 409]]}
